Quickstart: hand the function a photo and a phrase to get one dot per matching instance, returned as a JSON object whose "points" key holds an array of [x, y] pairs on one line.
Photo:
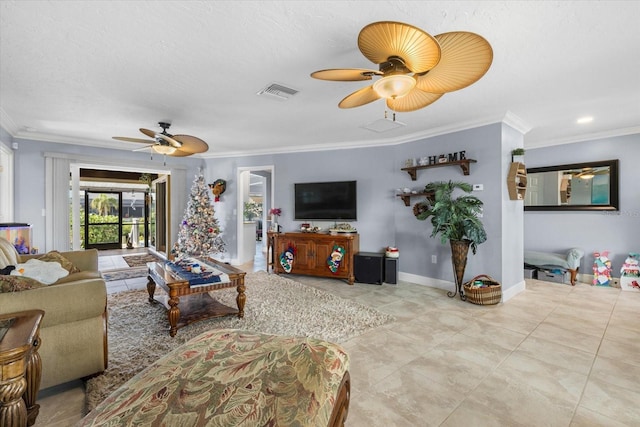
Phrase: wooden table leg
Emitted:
{"points": [[33, 375], [151, 288], [13, 411], [241, 299], [173, 314], [573, 273]]}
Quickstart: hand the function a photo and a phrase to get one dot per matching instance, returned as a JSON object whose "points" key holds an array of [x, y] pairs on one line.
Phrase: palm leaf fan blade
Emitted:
{"points": [[414, 100], [466, 57], [418, 50], [360, 97]]}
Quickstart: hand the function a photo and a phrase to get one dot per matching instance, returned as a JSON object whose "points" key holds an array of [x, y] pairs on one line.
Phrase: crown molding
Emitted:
{"points": [[516, 122], [345, 145], [508, 118], [7, 123], [585, 137]]}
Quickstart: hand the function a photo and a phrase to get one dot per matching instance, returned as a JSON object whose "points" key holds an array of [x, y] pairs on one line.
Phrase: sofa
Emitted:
{"points": [[231, 377], [73, 332]]}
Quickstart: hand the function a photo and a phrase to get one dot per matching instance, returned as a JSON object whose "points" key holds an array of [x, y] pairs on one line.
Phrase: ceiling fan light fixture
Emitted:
{"points": [[164, 149], [587, 176], [395, 86]]}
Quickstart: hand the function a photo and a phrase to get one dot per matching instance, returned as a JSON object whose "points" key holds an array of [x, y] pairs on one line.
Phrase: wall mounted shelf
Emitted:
{"points": [[464, 165], [517, 181], [406, 197]]}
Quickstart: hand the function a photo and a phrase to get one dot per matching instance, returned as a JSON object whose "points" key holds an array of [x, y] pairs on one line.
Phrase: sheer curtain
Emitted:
{"points": [[57, 204]]}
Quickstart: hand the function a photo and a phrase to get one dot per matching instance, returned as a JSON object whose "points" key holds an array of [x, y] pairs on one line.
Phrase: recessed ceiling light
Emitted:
{"points": [[583, 120]]}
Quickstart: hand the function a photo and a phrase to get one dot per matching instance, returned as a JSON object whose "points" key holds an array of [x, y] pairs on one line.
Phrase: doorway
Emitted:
{"points": [[263, 190], [121, 215]]}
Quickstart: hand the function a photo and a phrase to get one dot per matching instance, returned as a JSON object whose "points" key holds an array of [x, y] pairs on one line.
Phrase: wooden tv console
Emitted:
{"points": [[312, 253]]}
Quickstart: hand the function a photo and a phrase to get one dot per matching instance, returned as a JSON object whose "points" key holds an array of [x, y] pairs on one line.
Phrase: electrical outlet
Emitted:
{"points": [[434, 259]]}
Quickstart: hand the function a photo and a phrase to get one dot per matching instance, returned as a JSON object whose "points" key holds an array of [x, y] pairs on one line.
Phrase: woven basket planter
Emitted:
{"points": [[489, 293]]}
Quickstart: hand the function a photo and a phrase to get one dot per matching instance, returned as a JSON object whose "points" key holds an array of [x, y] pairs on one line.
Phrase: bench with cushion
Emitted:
{"points": [[546, 260], [231, 377]]}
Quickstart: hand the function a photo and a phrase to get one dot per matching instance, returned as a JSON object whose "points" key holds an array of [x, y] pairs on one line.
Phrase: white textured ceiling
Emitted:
{"points": [[84, 71]]}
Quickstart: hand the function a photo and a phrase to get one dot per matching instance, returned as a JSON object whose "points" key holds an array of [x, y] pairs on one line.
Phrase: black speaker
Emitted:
{"points": [[368, 267], [391, 271]]}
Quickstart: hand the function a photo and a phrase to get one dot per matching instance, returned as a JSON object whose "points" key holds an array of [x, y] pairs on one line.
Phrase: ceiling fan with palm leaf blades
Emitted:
{"points": [[415, 68], [167, 144]]}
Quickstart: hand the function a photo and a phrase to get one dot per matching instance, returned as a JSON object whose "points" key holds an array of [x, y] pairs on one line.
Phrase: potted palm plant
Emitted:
{"points": [[454, 219]]}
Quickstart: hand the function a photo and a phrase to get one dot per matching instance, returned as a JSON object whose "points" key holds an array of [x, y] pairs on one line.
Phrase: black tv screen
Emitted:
{"points": [[326, 201]]}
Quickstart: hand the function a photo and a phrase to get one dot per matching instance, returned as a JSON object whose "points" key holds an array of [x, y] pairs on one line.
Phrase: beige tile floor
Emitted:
{"points": [[554, 355]]}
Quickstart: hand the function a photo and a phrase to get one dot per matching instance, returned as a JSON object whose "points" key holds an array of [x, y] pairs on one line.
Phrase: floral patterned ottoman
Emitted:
{"points": [[235, 378]]}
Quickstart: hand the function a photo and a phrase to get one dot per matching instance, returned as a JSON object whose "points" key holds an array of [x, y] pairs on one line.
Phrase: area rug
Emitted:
{"points": [[138, 331], [123, 274], [139, 260]]}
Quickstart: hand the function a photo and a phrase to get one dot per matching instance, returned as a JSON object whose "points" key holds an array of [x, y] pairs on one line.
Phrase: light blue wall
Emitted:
{"points": [[383, 219], [617, 232], [416, 247]]}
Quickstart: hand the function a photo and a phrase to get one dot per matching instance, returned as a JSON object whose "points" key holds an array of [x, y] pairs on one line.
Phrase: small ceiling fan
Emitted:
{"points": [[415, 68], [167, 144], [588, 173]]}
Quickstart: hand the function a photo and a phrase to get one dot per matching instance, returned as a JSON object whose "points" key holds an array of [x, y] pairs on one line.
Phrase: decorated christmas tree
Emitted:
{"points": [[199, 233]]}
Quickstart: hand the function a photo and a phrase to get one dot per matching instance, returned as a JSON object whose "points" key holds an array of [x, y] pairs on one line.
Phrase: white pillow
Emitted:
{"points": [[44, 272]]}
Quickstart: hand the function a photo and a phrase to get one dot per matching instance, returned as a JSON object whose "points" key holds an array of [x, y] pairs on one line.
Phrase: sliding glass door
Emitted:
{"points": [[103, 220]]}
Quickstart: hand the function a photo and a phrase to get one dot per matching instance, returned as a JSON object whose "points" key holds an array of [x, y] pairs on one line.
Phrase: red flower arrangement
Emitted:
{"points": [[275, 211]]}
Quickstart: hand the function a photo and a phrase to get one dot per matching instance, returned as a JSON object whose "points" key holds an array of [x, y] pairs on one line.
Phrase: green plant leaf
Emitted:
{"points": [[452, 218]]}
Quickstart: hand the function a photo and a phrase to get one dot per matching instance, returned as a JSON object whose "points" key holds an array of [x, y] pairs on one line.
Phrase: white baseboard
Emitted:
{"points": [[588, 279], [512, 291], [426, 281]]}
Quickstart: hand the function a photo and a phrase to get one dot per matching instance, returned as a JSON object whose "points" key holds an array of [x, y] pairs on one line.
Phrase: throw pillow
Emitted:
{"points": [[17, 283], [55, 256]]}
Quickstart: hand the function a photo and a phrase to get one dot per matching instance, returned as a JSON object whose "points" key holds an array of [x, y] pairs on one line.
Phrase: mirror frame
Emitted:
{"points": [[614, 201]]}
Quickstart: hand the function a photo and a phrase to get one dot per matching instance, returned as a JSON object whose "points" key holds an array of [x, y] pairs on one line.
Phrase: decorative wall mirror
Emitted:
{"points": [[573, 187]]}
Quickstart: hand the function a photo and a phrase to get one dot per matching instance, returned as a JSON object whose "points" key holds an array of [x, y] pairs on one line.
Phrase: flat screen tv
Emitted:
{"points": [[334, 201]]}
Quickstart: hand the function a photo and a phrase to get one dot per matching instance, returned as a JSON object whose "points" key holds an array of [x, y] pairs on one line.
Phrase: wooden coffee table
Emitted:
{"points": [[196, 304]]}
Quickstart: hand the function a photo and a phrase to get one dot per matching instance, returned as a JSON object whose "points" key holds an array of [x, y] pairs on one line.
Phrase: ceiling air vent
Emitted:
{"points": [[278, 91]]}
